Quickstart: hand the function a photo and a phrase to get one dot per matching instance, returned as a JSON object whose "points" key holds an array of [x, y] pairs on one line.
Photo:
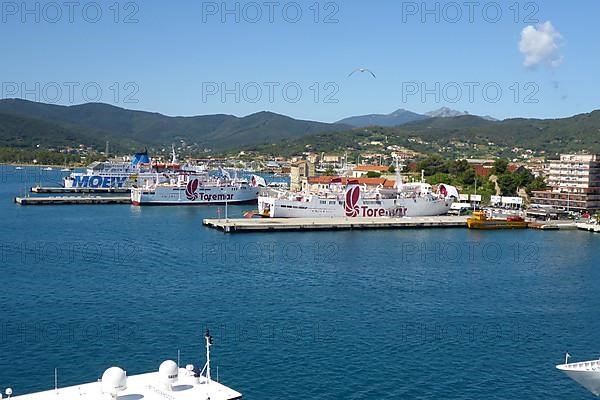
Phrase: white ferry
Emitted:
{"points": [[169, 382], [586, 373], [111, 174], [198, 189], [356, 201]]}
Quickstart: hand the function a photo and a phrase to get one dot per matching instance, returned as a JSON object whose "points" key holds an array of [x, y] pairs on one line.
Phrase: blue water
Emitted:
{"points": [[409, 314]]}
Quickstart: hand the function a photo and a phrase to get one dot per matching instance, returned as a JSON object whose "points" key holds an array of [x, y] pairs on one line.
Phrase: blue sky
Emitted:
{"points": [[180, 58]]}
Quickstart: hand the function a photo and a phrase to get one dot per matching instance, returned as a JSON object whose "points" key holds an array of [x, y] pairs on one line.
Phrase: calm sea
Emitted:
{"points": [[408, 314]]}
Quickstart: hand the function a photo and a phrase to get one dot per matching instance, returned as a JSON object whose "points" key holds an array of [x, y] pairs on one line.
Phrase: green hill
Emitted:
{"points": [[26, 124], [460, 136], [93, 124]]}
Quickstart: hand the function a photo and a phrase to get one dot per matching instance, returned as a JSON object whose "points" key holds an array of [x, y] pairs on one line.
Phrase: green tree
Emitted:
{"points": [[538, 183], [373, 174], [432, 165], [508, 184], [500, 166], [468, 177], [458, 167]]}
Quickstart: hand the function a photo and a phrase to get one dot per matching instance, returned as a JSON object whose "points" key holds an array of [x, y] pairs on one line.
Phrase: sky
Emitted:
{"points": [[181, 58]]}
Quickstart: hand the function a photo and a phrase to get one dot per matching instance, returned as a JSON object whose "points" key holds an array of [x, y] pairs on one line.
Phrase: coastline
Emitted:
{"points": [[54, 166]]}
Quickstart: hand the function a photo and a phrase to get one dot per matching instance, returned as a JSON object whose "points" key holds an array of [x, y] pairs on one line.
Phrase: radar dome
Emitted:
{"points": [[168, 372], [114, 381]]}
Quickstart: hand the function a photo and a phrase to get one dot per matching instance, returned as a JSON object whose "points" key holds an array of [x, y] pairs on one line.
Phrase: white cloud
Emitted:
{"points": [[540, 44]]}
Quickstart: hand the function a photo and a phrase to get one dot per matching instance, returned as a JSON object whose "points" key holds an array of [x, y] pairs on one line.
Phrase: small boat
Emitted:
{"points": [[19, 168], [586, 373], [47, 169], [480, 220], [66, 170]]}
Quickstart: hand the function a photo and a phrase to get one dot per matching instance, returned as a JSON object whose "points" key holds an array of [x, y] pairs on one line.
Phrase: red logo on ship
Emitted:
{"points": [[443, 191], [190, 190], [352, 196]]}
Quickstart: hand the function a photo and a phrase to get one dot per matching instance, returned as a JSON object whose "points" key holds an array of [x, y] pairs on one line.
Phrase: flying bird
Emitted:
{"points": [[362, 70]]}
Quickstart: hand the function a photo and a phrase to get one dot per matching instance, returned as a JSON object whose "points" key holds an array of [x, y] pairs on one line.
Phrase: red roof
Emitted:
{"points": [[482, 170], [374, 168]]}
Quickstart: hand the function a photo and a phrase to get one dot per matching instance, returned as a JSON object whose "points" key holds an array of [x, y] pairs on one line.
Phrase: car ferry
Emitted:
{"points": [[198, 189]]}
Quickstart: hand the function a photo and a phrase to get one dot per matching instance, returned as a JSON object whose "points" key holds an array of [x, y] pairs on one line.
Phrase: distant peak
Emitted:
{"points": [[446, 112], [400, 111]]}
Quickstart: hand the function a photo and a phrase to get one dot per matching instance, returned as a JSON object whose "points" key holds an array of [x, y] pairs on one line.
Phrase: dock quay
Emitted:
{"points": [[312, 224], [552, 226], [589, 227], [71, 200], [62, 190]]}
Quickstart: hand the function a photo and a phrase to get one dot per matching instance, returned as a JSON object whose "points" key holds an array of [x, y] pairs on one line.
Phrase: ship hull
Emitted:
{"points": [[491, 225], [177, 196], [587, 374], [420, 207], [100, 180]]}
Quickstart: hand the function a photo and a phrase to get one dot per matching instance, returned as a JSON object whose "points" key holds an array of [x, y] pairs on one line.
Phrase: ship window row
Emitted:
{"points": [[297, 207]]}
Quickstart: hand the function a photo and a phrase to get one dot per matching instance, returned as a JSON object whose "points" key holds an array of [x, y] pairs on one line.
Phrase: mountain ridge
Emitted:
{"points": [[26, 124], [111, 123], [403, 116]]}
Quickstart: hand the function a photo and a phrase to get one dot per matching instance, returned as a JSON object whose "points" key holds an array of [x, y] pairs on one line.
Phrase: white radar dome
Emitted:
{"points": [[168, 372], [114, 381]]}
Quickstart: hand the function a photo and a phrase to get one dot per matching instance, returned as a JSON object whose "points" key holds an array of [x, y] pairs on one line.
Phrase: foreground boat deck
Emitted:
{"points": [[306, 224], [145, 386]]}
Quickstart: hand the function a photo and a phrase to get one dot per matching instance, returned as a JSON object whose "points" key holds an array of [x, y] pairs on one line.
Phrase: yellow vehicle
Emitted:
{"points": [[479, 220]]}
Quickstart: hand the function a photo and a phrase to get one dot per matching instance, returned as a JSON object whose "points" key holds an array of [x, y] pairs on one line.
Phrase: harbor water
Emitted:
{"points": [[393, 314]]}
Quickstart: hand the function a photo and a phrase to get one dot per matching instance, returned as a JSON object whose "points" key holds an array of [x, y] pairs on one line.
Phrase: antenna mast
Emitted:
{"points": [[209, 342]]}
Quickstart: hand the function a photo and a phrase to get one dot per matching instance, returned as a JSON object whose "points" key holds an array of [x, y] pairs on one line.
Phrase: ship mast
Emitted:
{"points": [[398, 174], [209, 342], [173, 155]]}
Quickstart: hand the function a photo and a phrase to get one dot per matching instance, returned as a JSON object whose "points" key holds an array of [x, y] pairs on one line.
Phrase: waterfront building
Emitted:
{"points": [[574, 182], [299, 171]]}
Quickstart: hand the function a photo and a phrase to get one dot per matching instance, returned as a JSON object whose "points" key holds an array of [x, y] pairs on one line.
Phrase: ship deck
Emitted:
{"points": [[307, 224], [145, 386], [582, 366]]}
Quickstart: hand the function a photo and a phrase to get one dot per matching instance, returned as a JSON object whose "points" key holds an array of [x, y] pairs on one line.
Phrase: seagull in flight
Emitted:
{"points": [[362, 70]]}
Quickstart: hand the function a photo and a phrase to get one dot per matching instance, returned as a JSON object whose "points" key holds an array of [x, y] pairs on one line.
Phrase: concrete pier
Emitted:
{"points": [[71, 200], [310, 224], [553, 226], [62, 190]]}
